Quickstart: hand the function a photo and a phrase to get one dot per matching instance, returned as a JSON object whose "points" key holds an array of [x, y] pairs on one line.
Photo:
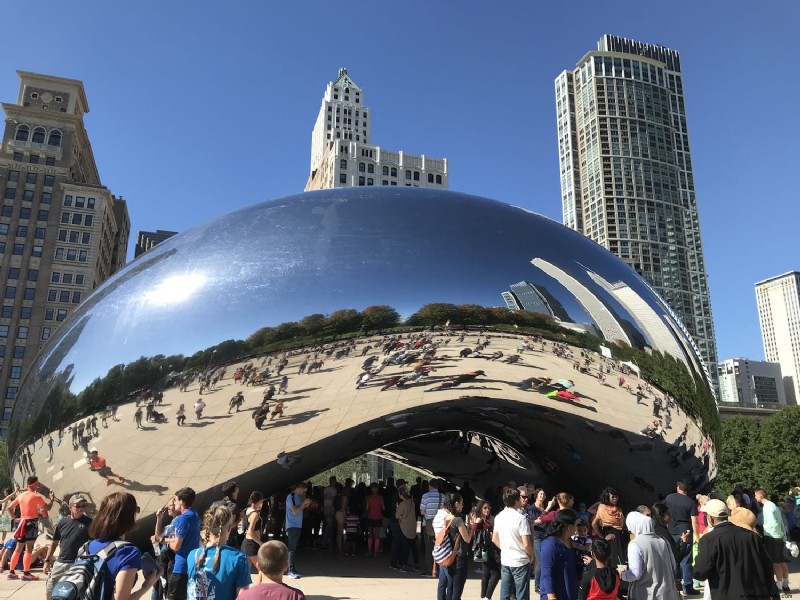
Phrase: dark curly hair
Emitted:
{"points": [[605, 495]]}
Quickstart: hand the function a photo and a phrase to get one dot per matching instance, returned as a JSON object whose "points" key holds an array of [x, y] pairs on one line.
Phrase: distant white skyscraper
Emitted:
{"points": [[342, 155], [626, 172], [778, 300], [751, 382]]}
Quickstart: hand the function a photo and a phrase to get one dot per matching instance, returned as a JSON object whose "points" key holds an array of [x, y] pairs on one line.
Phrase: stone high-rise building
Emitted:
{"points": [[342, 155], [778, 300], [149, 239], [626, 172], [62, 232]]}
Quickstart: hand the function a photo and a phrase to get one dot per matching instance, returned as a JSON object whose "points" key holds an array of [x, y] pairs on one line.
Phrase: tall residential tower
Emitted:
{"points": [[62, 232], [626, 172], [778, 300], [342, 155]]}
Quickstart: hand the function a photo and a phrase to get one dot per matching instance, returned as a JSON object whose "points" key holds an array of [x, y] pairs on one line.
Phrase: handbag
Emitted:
{"points": [[480, 547]]}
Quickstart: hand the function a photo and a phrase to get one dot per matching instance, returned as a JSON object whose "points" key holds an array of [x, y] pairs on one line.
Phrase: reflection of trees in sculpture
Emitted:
{"points": [[123, 381]]}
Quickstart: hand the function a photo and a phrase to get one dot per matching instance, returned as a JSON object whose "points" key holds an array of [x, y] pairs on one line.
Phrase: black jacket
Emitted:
{"points": [[735, 563]]}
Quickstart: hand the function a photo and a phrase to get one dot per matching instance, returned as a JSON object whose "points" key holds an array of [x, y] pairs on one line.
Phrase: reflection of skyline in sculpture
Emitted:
{"points": [[535, 298], [250, 283], [610, 328], [657, 333]]}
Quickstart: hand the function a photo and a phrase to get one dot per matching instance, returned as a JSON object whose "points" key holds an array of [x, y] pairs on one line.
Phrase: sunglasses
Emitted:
{"points": [[524, 497], [81, 506]]}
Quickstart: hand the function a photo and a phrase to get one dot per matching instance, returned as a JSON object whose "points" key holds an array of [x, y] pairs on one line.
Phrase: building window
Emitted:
{"points": [[22, 231], [49, 180], [15, 372], [385, 182], [26, 311], [10, 194], [88, 220], [67, 200], [76, 297], [61, 314], [50, 161], [63, 296], [77, 218], [46, 333], [385, 171], [65, 217], [83, 255], [19, 249], [19, 351], [6, 312], [30, 294], [438, 179], [2, 247], [23, 131], [90, 203], [7, 210], [22, 332], [31, 178], [36, 251], [62, 235], [43, 215], [46, 198], [18, 156], [33, 159], [52, 295], [343, 163], [362, 167], [394, 171], [73, 237], [79, 201], [33, 274], [59, 254], [78, 279], [342, 178], [54, 139], [370, 168], [13, 273], [430, 177], [3, 331], [38, 135], [71, 254], [11, 392], [86, 238], [13, 175], [55, 277], [361, 180], [67, 278], [416, 175], [408, 174], [3, 228], [48, 314], [27, 195]]}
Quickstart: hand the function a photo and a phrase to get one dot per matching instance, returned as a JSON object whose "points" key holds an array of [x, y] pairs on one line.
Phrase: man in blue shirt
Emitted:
{"points": [[296, 502], [185, 539]]}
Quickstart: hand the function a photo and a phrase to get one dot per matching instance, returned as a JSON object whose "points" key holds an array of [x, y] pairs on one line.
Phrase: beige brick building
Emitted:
{"points": [[62, 233]]}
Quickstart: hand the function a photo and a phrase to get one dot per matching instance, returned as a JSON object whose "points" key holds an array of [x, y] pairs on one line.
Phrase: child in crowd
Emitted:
{"points": [[582, 542], [352, 530], [272, 560], [601, 581]]}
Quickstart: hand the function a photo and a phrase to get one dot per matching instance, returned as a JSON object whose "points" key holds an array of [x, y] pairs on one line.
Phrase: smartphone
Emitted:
{"points": [[149, 565]]}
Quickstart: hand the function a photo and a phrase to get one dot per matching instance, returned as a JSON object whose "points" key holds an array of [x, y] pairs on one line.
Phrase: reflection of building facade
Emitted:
{"points": [[778, 300], [608, 324], [342, 155], [148, 239], [62, 233], [750, 382], [626, 172]]}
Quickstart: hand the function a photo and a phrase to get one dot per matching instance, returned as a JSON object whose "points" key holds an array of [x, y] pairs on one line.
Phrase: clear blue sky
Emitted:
{"points": [[201, 107]]}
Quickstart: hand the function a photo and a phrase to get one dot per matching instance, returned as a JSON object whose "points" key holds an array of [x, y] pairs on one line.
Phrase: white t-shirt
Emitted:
{"points": [[510, 526]]}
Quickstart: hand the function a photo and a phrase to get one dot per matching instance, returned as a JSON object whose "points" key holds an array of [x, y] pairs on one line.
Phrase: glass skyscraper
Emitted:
{"points": [[626, 172]]}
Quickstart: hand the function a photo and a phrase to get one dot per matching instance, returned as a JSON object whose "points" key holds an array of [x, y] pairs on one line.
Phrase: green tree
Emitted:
{"points": [[437, 313], [313, 324], [380, 316], [345, 320], [777, 450], [737, 454], [474, 314]]}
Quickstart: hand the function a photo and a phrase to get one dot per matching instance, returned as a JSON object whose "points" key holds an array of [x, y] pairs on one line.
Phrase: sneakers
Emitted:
{"points": [[29, 577], [12, 575], [293, 575], [786, 589], [691, 592]]}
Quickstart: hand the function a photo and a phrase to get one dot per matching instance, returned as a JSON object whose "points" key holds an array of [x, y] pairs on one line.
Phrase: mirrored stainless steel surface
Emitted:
{"points": [[502, 320]]}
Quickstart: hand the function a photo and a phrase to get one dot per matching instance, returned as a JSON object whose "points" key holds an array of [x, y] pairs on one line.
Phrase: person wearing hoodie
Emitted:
{"points": [[601, 581], [650, 571]]}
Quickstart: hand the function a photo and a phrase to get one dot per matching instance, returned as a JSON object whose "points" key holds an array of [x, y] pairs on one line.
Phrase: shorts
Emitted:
{"points": [[57, 571], [176, 586], [375, 522], [31, 531], [774, 547], [250, 547]]}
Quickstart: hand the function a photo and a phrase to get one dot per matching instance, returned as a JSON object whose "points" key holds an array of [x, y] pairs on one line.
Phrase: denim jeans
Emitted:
{"points": [[516, 580], [537, 552], [685, 570], [293, 533], [452, 580]]}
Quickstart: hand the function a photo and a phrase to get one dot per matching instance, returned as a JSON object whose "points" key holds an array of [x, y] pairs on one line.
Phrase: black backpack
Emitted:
{"points": [[86, 577]]}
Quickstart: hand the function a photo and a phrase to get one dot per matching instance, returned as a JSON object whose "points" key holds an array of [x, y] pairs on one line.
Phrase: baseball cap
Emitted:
{"points": [[93, 449], [715, 508], [77, 499]]}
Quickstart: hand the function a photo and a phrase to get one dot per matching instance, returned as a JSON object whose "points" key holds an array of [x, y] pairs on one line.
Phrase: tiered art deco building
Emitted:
{"points": [[626, 172], [342, 155], [62, 232]]}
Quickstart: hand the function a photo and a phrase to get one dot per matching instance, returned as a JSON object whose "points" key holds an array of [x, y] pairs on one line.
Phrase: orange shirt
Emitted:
{"points": [[29, 504], [98, 463]]}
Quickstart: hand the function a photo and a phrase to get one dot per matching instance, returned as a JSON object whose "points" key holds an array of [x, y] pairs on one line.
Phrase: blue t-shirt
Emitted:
{"points": [[293, 520], [125, 558], [233, 572], [187, 526]]}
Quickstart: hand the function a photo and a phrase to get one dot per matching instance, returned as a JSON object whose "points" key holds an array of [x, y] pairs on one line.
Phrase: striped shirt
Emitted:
{"points": [[430, 503]]}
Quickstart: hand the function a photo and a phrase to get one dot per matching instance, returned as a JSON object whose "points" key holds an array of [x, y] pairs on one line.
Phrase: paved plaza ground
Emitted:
{"points": [[328, 576]]}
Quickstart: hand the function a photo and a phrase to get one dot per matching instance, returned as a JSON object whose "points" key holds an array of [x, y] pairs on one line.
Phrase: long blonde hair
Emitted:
{"points": [[215, 521]]}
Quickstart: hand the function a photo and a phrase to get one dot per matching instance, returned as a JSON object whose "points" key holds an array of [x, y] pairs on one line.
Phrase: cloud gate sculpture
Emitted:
{"points": [[473, 339]]}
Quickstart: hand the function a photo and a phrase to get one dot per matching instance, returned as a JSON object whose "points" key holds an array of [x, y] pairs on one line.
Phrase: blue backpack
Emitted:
{"points": [[86, 577]]}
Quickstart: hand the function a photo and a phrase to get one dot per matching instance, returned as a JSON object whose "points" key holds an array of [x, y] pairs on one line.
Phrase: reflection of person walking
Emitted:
{"points": [[50, 446], [198, 408], [181, 415], [277, 411], [98, 463], [137, 416], [284, 385]]}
